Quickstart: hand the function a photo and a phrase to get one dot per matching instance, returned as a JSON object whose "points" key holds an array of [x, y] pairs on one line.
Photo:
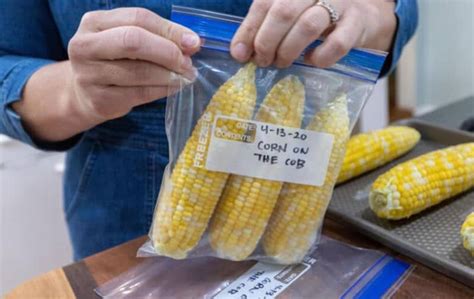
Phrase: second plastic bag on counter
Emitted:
{"points": [[334, 270], [254, 152]]}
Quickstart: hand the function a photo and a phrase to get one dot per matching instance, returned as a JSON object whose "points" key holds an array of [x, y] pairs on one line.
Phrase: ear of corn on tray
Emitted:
{"points": [[432, 236], [467, 233]]}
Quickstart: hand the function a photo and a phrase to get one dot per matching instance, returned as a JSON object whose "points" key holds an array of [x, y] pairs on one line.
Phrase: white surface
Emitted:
{"points": [[5, 140], [407, 77], [281, 153], [375, 113], [33, 235], [445, 56], [438, 68]]}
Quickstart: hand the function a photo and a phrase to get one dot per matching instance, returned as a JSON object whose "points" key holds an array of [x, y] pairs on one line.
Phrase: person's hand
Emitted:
{"points": [[123, 58], [277, 31]]}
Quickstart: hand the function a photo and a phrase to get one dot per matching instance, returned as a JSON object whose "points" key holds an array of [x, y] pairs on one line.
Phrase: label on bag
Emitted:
{"points": [[265, 280], [266, 151]]}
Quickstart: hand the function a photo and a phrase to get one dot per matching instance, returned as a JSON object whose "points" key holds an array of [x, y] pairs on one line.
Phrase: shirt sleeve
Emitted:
{"points": [[406, 12], [29, 40]]}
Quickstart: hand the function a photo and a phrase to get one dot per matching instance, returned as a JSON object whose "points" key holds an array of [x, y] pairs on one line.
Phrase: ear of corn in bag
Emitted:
{"points": [[425, 181], [467, 233], [368, 151], [247, 203], [188, 201], [292, 229]]}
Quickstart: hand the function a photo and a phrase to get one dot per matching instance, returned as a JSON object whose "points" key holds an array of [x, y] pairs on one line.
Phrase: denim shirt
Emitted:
{"points": [[113, 171]]}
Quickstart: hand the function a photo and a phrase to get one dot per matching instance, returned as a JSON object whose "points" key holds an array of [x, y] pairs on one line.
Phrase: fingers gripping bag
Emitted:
{"points": [[254, 152]]}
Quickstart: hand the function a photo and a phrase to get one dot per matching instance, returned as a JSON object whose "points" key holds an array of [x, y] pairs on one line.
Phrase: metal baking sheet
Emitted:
{"points": [[431, 237]]}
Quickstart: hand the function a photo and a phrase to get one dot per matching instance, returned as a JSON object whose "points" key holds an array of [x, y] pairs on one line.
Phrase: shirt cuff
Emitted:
{"points": [[406, 12], [14, 73]]}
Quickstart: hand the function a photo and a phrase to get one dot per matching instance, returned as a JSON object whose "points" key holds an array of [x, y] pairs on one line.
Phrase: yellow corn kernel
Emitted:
{"points": [[299, 211], [188, 199], [425, 181], [247, 203], [467, 233], [368, 151]]}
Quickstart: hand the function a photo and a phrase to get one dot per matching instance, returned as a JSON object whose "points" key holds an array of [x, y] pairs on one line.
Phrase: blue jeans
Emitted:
{"points": [[112, 180]]}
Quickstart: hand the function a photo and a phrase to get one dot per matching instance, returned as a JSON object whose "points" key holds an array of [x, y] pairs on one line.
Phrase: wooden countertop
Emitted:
{"points": [[78, 280]]}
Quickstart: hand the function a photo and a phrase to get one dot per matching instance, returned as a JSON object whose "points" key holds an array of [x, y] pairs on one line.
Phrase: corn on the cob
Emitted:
{"points": [[467, 233], [247, 203], [299, 211], [425, 181], [371, 150], [188, 200]]}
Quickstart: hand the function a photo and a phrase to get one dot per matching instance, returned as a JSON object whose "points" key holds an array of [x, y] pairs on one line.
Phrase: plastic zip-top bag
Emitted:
{"points": [[254, 152], [334, 270]]}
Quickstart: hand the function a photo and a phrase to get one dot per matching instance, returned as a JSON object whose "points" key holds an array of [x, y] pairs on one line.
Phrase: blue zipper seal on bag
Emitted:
{"points": [[379, 279], [384, 280], [218, 29]]}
